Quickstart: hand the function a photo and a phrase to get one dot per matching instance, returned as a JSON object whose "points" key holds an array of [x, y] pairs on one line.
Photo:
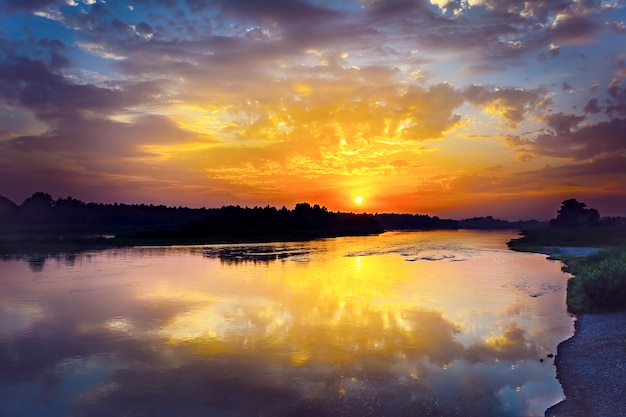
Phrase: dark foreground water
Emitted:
{"points": [[401, 324]]}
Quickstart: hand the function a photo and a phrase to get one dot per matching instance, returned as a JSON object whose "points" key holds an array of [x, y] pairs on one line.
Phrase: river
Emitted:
{"points": [[442, 323]]}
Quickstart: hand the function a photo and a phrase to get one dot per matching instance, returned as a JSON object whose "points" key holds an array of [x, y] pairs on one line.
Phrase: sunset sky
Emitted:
{"points": [[452, 108]]}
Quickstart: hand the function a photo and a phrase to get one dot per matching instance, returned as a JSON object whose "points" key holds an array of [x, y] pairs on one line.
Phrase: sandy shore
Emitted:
{"points": [[591, 367]]}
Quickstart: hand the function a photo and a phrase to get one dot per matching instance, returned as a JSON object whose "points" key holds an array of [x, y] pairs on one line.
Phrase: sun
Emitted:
{"points": [[358, 199]]}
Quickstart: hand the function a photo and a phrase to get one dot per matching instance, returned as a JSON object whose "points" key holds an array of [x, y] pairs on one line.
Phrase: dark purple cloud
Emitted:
{"points": [[592, 106], [616, 104], [578, 30], [401, 11], [568, 138], [604, 178], [38, 85], [102, 158], [285, 12], [563, 124], [27, 5], [169, 4], [610, 165], [89, 139]]}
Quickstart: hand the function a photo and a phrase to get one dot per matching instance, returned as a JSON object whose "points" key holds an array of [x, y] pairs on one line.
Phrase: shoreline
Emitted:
{"points": [[591, 364], [590, 368], [588, 364]]}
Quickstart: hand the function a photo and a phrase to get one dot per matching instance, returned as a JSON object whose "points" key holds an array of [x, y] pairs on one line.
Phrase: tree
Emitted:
{"points": [[36, 208], [574, 214]]}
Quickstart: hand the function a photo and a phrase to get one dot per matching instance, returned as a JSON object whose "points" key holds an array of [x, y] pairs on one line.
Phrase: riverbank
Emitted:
{"points": [[591, 366], [592, 363]]}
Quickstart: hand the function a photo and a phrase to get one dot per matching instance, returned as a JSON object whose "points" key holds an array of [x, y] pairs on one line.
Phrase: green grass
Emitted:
{"points": [[599, 282]]}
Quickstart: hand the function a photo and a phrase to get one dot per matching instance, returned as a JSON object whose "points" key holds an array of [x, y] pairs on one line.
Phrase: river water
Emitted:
{"points": [[444, 323]]}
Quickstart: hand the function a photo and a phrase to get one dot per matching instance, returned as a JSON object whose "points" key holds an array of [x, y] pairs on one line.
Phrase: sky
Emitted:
{"points": [[455, 108]]}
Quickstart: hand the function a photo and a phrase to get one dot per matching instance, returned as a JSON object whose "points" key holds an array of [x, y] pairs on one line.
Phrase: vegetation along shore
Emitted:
{"points": [[590, 365]]}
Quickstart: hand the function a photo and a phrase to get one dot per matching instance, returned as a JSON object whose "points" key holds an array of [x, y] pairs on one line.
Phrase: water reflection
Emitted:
{"points": [[389, 325]]}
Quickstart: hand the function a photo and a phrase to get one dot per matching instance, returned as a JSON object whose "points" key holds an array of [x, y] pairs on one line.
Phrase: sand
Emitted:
{"points": [[591, 367]]}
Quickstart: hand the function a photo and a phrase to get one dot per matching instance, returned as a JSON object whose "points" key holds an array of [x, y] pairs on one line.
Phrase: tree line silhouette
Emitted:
{"points": [[44, 219], [41, 214]]}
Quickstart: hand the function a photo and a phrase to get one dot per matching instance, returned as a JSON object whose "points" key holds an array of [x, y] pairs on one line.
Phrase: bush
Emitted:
{"points": [[600, 283], [605, 285]]}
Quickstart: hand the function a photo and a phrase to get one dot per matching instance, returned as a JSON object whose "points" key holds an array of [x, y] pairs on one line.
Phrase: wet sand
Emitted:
{"points": [[591, 367]]}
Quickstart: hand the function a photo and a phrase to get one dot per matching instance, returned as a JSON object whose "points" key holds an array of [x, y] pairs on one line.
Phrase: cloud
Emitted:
{"points": [[578, 137], [568, 138], [616, 105], [568, 88], [574, 31], [39, 86], [336, 128], [562, 124], [31, 5], [281, 12], [95, 157], [259, 97], [608, 166], [512, 104], [592, 106], [619, 27], [599, 176]]}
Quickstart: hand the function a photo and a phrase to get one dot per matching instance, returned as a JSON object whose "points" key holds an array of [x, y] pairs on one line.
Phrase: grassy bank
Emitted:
{"points": [[599, 282]]}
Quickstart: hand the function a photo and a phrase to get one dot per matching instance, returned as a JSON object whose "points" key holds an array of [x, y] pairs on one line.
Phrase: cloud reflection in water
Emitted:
{"points": [[170, 332]]}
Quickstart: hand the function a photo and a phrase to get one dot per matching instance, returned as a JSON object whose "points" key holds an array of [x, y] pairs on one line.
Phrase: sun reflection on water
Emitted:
{"points": [[392, 323]]}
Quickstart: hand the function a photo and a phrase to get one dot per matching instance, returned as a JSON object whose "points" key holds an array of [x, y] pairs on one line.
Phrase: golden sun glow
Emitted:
{"points": [[358, 199]]}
